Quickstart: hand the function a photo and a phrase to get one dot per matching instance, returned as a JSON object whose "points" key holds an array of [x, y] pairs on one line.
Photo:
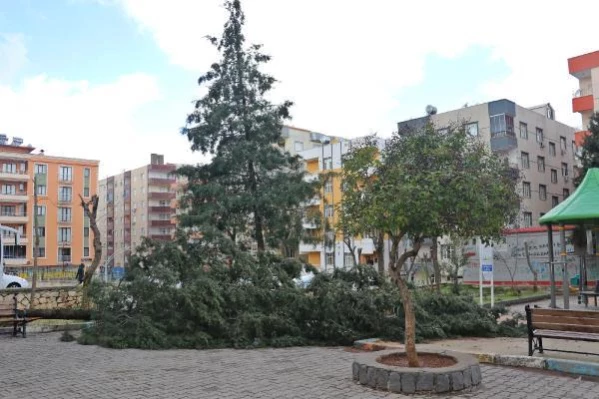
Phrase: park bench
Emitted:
{"points": [[586, 294], [575, 325], [11, 315]]}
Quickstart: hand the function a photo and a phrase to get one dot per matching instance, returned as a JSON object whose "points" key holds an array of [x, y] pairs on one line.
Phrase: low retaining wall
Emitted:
{"points": [[65, 297], [465, 374]]}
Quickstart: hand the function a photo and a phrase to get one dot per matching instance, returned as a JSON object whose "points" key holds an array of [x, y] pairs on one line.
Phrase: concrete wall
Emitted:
{"points": [[65, 297]]}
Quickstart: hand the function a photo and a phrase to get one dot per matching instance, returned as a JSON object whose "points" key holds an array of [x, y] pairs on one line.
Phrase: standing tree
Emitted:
{"points": [[90, 208], [251, 188], [589, 157], [425, 184], [457, 261]]}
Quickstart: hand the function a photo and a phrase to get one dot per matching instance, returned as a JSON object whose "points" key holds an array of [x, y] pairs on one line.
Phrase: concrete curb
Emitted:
{"points": [[578, 367], [519, 301]]}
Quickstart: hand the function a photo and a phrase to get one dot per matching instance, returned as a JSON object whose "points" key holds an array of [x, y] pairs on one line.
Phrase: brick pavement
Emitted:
{"points": [[41, 366]]}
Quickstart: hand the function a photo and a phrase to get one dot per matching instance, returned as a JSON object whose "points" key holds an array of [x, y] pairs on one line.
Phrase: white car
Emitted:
{"points": [[9, 281]]}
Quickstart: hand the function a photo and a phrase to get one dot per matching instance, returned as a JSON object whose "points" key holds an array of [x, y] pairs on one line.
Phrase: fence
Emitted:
{"points": [[59, 274]]}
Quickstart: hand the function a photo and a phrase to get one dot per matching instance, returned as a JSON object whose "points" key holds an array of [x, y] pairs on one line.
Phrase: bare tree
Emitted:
{"points": [[91, 211]]}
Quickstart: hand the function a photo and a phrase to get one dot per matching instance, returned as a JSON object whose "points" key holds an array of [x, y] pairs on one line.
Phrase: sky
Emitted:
{"points": [[113, 80]]}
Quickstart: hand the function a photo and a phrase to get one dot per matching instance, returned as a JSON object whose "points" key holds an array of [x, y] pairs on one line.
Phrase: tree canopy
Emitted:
{"points": [[250, 188], [589, 156]]}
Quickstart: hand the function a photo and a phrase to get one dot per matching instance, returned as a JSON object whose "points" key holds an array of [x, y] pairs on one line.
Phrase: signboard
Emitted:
{"points": [[485, 255]]}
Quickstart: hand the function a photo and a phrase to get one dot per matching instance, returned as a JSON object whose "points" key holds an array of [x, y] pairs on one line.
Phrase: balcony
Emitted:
{"points": [[583, 103], [156, 181], [64, 258], [65, 200], [306, 248], [161, 237], [161, 209], [17, 197], [64, 180], [311, 177], [162, 195], [503, 141], [16, 261], [161, 223], [308, 225], [14, 176], [16, 218], [10, 239], [64, 221]]}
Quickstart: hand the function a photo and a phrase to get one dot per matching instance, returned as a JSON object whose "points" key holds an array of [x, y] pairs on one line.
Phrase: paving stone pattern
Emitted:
{"points": [[41, 366]]}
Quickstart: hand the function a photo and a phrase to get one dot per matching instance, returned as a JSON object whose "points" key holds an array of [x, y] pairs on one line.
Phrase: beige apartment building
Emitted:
{"points": [[586, 98], [542, 149], [135, 204]]}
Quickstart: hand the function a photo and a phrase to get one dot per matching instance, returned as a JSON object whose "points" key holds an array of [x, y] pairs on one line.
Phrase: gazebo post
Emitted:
{"points": [[551, 268], [563, 254]]}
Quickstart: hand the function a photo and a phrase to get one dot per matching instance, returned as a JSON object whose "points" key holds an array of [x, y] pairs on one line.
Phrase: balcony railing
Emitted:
{"points": [[161, 209], [161, 223], [161, 237], [162, 181], [64, 258], [162, 195], [65, 199]]}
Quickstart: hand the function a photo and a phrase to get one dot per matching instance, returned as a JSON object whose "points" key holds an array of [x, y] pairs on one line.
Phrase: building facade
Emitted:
{"points": [[586, 98], [62, 227], [542, 149], [135, 204]]}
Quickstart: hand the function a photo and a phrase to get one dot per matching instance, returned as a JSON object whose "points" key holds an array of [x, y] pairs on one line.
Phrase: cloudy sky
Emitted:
{"points": [[114, 79]]}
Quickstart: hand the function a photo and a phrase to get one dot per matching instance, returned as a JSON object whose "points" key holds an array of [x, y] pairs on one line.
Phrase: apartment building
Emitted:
{"points": [[542, 149], [331, 251], [586, 98], [63, 229], [135, 204]]}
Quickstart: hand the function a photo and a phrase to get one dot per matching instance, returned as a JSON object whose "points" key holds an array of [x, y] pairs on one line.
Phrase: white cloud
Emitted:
{"points": [[13, 54], [345, 62], [93, 121]]}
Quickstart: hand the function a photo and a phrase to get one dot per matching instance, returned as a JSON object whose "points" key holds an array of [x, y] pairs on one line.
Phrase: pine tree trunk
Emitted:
{"points": [[436, 266], [410, 319], [258, 222]]}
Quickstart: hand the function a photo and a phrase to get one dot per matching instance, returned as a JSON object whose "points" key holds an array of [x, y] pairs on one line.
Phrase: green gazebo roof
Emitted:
{"points": [[582, 207]]}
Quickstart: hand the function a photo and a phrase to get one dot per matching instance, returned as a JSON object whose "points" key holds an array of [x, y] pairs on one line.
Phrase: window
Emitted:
{"points": [[525, 160], [41, 189], [328, 211], [328, 186], [502, 125], [327, 163], [41, 231], [65, 173], [542, 192], [554, 201], [445, 251], [8, 210], [9, 168], [41, 252], [41, 169], [540, 136], [562, 143], [566, 193], [298, 146], [64, 234], [527, 219], [64, 214], [41, 210], [472, 129], [65, 194], [523, 130], [86, 172], [85, 252], [541, 164], [348, 260], [552, 149], [86, 192], [330, 260], [574, 148], [541, 214], [564, 169], [553, 175], [9, 189], [526, 189]]}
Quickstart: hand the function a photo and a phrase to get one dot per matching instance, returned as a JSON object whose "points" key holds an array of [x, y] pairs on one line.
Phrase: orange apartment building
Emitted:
{"points": [[586, 98], [64, 233]]}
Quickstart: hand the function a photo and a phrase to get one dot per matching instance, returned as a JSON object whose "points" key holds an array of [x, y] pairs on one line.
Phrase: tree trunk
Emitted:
{"points": [[535, 275], [436, 266], [66, 314], [92, 214], [410, 319], [380, 253], [258, 222]]}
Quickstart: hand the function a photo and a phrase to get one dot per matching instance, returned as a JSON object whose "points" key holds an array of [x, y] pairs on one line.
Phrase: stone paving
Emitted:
{"points": [[41, 366]]}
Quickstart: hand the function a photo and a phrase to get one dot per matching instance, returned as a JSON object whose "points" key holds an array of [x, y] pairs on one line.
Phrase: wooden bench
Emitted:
{"points": [[586, 294], [576, 325], [11, 315]]}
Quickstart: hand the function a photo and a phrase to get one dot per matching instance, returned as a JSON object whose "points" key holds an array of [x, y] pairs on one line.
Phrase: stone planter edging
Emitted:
{"points": [[464, 374]]}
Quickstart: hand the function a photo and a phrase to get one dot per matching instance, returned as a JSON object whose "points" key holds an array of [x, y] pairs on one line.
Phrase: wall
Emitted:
{"points": [[65, 297]]}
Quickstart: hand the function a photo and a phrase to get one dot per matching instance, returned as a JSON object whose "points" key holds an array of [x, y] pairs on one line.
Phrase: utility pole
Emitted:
{"points": [[36, 242]]}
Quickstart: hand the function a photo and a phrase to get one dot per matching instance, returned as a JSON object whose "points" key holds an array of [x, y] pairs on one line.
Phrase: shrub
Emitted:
{"points": [[208, 294]]}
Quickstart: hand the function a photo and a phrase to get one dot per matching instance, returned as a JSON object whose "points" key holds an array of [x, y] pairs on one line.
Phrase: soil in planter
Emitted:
{"points": [[431, 360]]}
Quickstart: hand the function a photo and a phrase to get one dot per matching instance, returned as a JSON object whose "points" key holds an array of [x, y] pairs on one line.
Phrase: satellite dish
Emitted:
{"points": [[431, 110]]}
